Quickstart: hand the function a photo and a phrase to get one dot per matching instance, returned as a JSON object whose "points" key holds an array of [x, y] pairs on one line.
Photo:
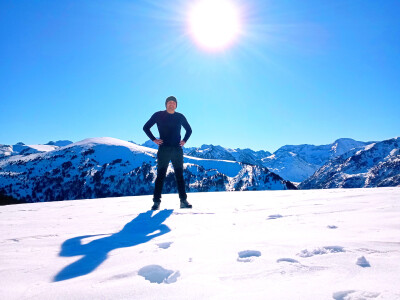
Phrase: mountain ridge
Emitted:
{"points": [[109, 167], [375, 165]]}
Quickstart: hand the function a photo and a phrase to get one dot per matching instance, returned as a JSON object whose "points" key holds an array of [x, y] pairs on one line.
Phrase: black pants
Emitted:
{"points": [[166, 154]]}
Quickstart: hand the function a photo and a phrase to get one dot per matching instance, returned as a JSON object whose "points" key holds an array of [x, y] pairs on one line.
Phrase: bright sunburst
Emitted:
{"points": [[214, 24]]}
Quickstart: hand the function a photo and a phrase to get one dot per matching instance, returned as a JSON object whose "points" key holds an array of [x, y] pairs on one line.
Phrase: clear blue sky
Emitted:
{"points": [[300, 72]]}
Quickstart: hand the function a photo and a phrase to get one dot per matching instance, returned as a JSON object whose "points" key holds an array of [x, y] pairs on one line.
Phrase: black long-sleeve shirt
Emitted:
{"points": [[169, 127]]}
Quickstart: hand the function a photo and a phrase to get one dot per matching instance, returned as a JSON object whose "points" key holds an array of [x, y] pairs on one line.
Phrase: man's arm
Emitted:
{"points": [[188, 129], [148, 125]]}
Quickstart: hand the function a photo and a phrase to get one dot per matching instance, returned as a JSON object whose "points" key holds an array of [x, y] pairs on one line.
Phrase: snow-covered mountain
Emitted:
{"points": [[149, 144], [106, 167], [315, 244], [246, 156], [22, 149], [6, 150], [61, 143], [292, 162], [298, 162], [375, 165]]}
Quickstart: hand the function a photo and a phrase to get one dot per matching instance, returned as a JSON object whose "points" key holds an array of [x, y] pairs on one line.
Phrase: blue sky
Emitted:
{"points": [[300, 72]]}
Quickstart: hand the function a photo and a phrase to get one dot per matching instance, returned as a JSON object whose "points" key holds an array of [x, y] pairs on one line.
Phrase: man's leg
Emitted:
{"points": [[177, 162], [163, 159]]}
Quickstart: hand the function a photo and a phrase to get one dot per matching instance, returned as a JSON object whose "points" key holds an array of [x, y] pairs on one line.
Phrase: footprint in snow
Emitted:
{"points": [[165, 245], [122, 276], [321, 251], [248, 255], [363, 262], [290, 260], [157, 274], [332, 226], [370, 251], [354, 295], [273, 217]]}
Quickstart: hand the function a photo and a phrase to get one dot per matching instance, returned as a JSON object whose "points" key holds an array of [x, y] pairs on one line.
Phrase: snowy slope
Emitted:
{"points": [[289, 165], [298, 162], [22, 149], [374, 165], [150, 144], [5, 151], [60, 143], [316, 244], [108, 167]]}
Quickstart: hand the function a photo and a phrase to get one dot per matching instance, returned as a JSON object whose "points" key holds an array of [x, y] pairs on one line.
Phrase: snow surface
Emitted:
{"points": [[90, 142], [43, 148], [229, 168], [305, 244]]}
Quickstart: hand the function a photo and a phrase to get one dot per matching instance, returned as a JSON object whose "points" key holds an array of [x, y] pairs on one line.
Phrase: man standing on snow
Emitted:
{"points": [[170, 145]]}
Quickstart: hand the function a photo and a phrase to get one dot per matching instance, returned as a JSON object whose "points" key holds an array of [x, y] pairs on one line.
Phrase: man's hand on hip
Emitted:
{"points": [[158, 141], [182, 143]]}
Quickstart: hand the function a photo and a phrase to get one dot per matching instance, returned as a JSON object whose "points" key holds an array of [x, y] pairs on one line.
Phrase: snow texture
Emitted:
{"points": [[247, 255], [272, 217], [115, 248], [362, 262], [157, 274], [320, 251]]}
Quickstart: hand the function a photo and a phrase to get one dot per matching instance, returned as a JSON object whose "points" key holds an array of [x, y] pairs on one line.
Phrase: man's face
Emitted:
{"points": [[171, 105]]}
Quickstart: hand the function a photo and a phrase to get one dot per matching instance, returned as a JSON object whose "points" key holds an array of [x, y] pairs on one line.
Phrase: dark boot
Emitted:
{"points": [[156, 206], [185, 204]]}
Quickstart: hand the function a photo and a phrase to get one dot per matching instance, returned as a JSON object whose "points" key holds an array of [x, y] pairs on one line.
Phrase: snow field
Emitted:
{"points": [[231, 245]]}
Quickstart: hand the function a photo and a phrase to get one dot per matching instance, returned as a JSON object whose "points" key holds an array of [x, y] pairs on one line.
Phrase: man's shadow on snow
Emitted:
{"points": [[138, 231]]}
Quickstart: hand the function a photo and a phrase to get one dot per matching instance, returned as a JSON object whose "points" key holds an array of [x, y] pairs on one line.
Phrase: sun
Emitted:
{"points": [[214, 24]]}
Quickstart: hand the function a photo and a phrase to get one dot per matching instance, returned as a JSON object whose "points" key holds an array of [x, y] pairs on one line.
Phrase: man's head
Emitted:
{"points": [[171, 98]]}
